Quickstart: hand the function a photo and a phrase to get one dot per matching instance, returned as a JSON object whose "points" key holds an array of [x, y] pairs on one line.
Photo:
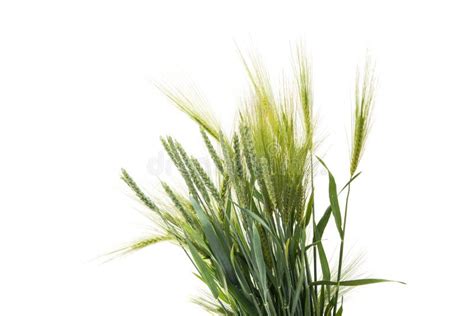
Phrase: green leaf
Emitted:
{"points": [[257, 249], [323, 260], [358, 282], [241, 274], [256, 217], [299, 286], [350, 181], [324, 221], [328, 310], [215, 243], [319, 230], [204, 271], [309, 209], [246, 304], [334, 199]]}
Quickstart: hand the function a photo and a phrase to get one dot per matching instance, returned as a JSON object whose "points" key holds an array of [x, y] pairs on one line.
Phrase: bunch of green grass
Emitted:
{"points": [[251, 230]]}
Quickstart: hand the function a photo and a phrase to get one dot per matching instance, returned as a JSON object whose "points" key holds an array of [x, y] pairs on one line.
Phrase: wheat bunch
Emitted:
{"points": [[253, 235]]}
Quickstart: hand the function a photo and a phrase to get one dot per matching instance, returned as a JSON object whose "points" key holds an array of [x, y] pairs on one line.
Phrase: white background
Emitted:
{"points": [[77, 104]]}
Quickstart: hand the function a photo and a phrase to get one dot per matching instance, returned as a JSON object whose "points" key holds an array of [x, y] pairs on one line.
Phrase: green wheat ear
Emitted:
{"points": [[364, 99], [135, 246]]}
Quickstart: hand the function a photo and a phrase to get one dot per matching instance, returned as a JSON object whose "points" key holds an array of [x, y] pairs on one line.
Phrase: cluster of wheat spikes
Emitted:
{"points": [[251, 230]]}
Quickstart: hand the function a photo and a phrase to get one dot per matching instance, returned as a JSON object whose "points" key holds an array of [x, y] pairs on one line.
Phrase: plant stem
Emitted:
{"points": [[341, 248], [315, 258]]}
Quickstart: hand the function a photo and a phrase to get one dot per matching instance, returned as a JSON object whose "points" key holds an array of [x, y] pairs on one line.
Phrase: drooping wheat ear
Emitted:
{"points": [[364, 98], [205, 178], [212, 151], [138, 192]]}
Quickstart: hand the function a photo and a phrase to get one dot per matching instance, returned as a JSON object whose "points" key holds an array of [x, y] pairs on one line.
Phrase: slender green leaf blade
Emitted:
{"points": [[204, 271], [336, 211], [358, 282], [215, 243]]}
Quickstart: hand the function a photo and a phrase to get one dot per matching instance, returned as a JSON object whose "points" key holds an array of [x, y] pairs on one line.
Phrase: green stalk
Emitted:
{"points": [[341, 248], [315, 255]]}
